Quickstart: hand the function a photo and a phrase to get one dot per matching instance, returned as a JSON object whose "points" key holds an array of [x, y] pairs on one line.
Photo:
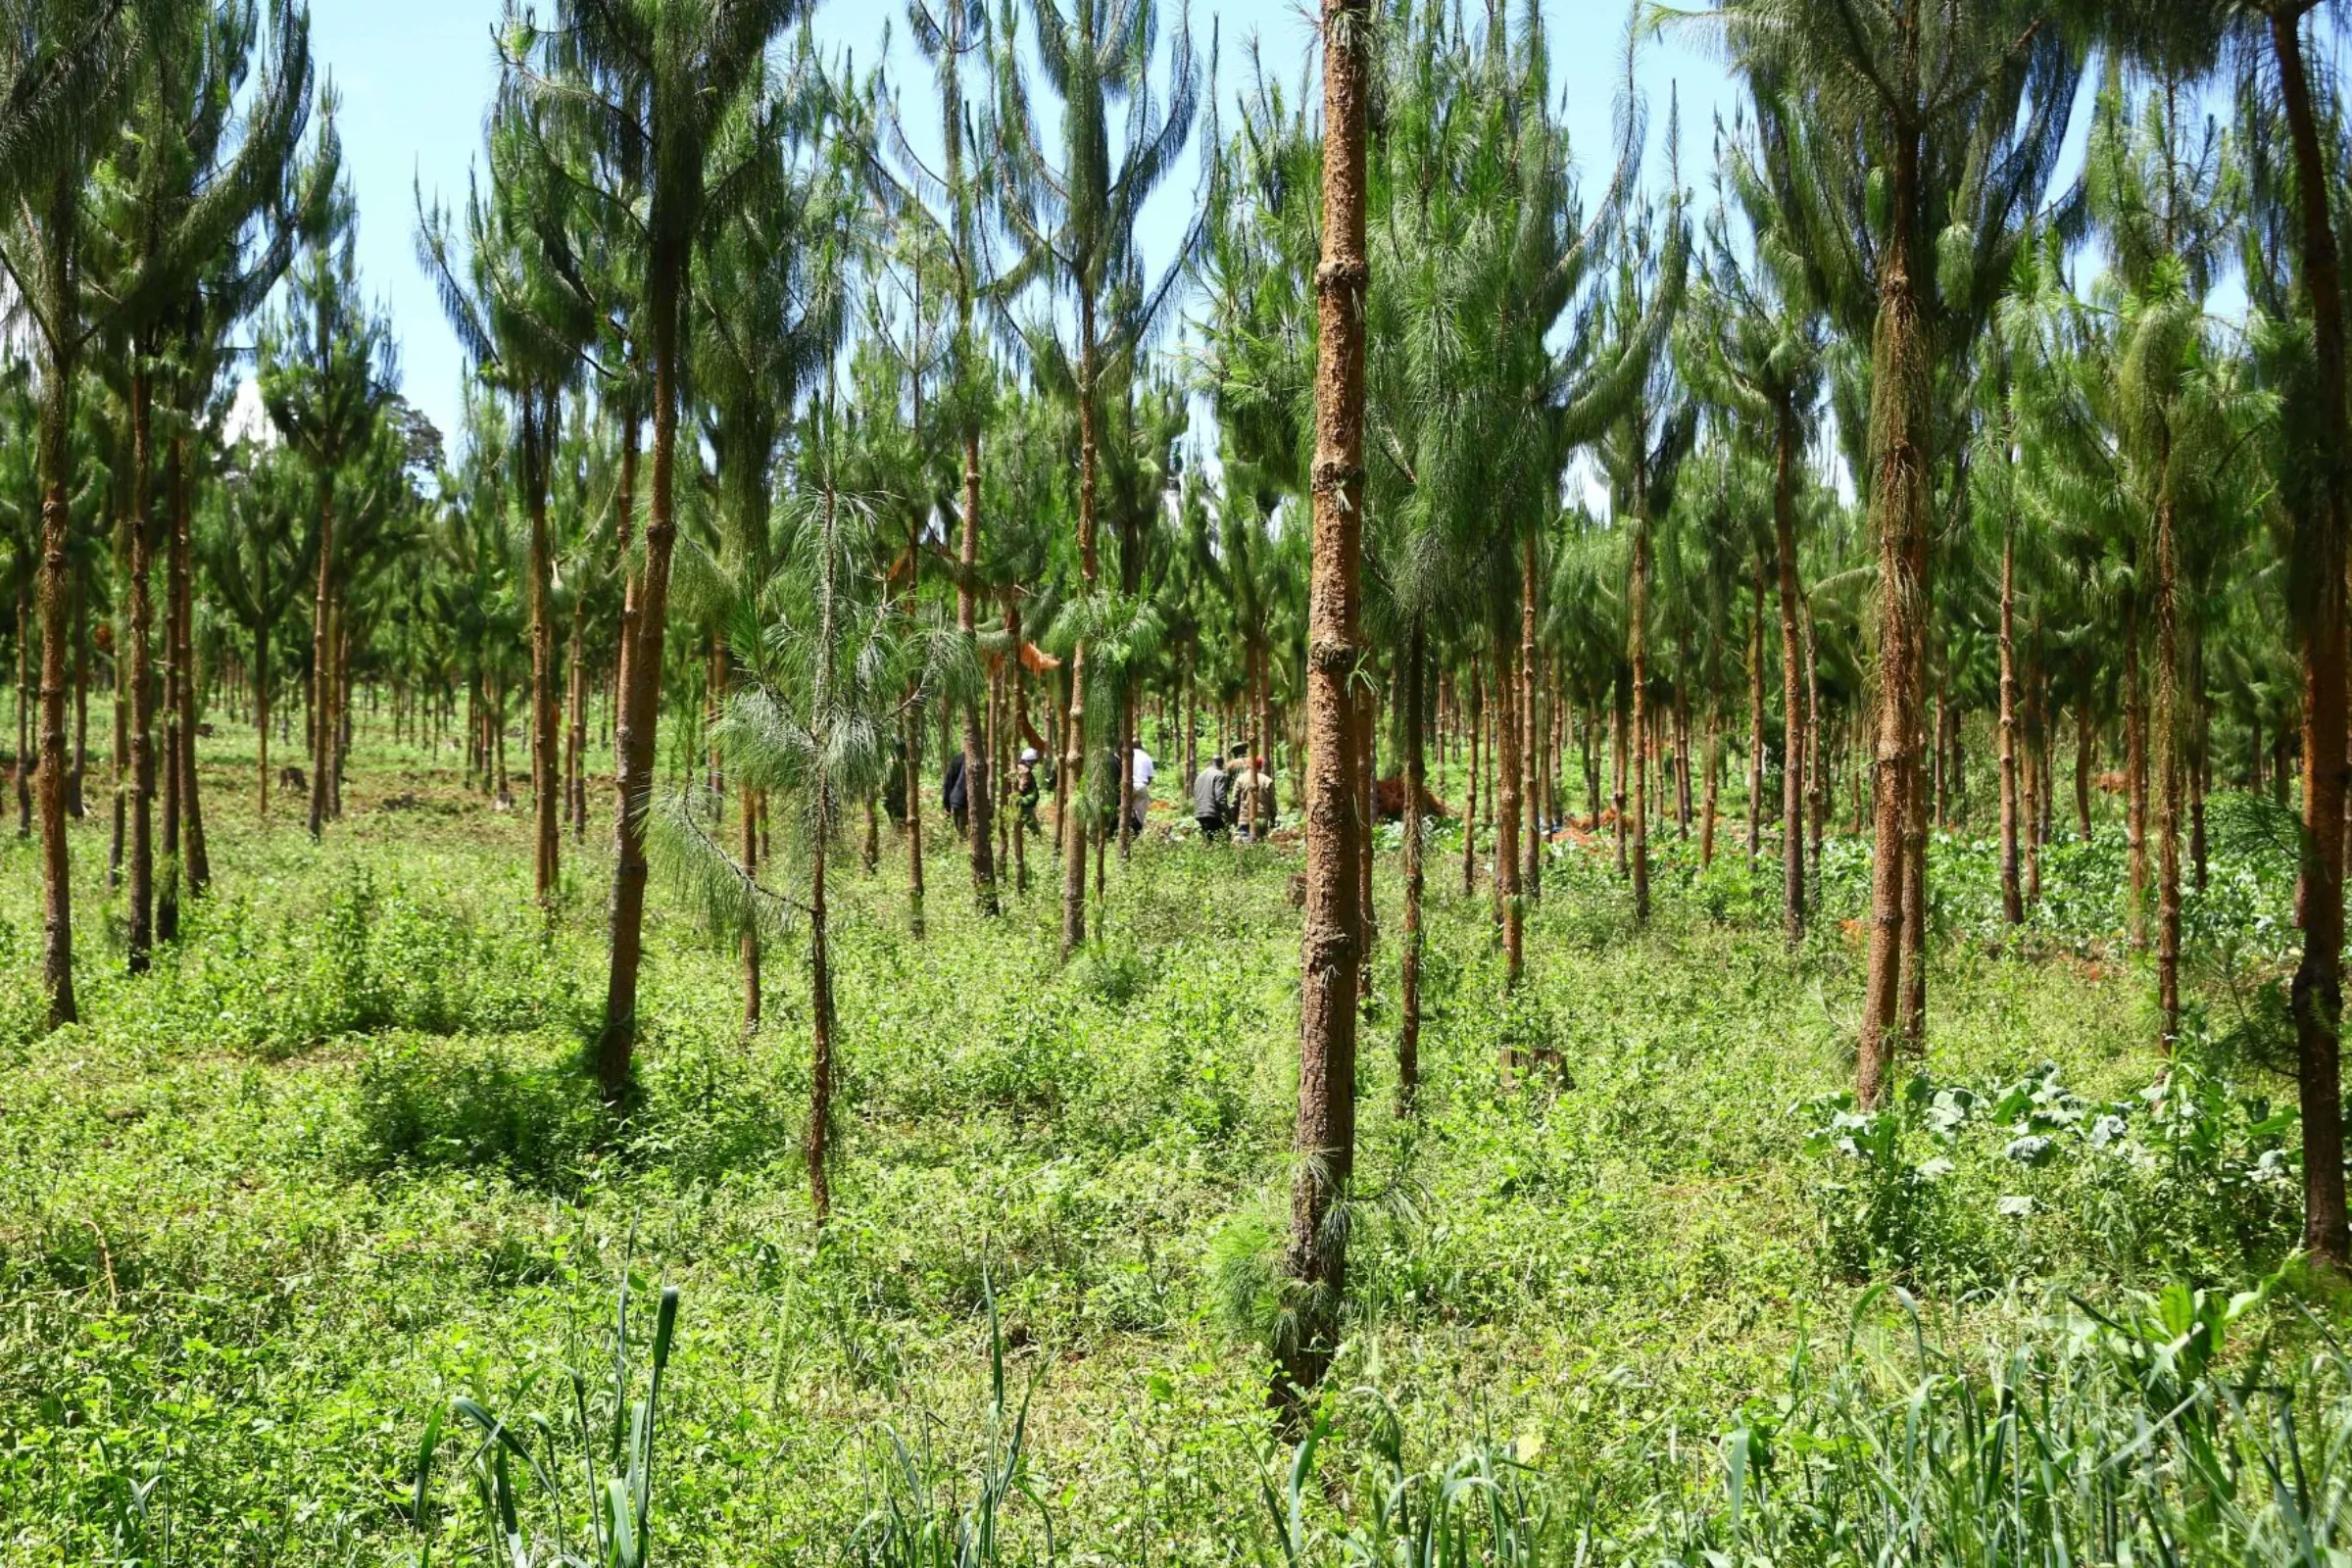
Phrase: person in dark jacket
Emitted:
{"points": [[1213, 800], [953, 794]]}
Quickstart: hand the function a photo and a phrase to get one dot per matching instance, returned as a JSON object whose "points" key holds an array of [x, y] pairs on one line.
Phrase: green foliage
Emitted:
{"points": [[335, 1165]]}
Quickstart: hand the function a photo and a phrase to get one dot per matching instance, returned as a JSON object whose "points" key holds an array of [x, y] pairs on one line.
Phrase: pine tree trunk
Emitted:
{"points": [[1073, 744], [1901, 373], [1637, 621], [2317, 992], [1531, 873], [1507, 808], [24, 700], [2135, 775], [57, 525], [260, 717], [640, 698], [1792, 688], [547, 826], [1755, 724], [1332, 948], [142, 682], [977, 762], [1408, 1025], [196, 861], [2167, 766], [1470, 804], [2013, 897], [820, 1038], [82, 692]]}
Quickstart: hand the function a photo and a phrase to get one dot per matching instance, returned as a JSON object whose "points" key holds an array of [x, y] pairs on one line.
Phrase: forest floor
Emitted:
{"points": [[334, 1162]]}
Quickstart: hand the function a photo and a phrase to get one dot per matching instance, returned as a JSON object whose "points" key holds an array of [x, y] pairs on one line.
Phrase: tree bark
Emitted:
{"points": [[1792, 682], [2317, 992], [1900, 376], [195, 857], [57, 477], [538, 439], [1507, 807], [1073, 745], [2013, 898], [641, 697], [977, 762], [142, 680], [1408, 1026], [1638, 624], [1331, 951]]}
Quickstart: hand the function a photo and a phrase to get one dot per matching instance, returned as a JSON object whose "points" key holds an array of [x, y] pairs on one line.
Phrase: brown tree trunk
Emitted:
{"points": [[1706, 812], [1090, 571], [1531, 872], [2013, 897], [81, 691], [142, 682], [1638, 621], [195, 857], [820, 1038], [1507, 807], [977, 762], [1470, 806], [2136, 774], [57, 523], [1416, 778], [1901, 376], [1334, 922], [640, 698], [575, 728], [1755, 723], [2317, 992], [24, 700], [1792, 683], [538, 438], [260, 717]]}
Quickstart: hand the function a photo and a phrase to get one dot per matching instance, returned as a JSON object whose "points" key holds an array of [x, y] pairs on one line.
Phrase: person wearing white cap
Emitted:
{"points": [[1025, 790]]}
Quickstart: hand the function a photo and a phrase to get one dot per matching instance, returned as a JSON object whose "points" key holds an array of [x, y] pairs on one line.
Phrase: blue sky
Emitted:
{"points": [[416, 78]]}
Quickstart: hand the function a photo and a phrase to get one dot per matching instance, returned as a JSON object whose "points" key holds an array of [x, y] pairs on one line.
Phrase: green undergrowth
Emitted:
{"points": [[1637, 1283]]}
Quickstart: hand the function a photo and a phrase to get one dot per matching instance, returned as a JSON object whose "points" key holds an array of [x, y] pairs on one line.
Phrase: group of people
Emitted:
{"points": [[956, 796], [1233, 794]]}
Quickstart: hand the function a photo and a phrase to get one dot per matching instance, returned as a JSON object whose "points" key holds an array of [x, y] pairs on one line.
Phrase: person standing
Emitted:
{"points": [[1212, 799], [1025, 790], [1139, 799], [953, 796]]}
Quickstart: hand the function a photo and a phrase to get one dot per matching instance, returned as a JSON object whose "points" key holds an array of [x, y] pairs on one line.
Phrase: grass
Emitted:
{"points": [[335, 1165]]}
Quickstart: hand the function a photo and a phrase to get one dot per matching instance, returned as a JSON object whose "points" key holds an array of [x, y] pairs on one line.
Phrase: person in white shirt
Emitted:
{"points": [[1140, 796]]}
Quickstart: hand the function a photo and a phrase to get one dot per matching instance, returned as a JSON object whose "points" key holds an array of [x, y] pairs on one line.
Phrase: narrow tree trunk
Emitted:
{"points": [[82, 692], [2013, 897], [260, 717], [1755, 724], [142, 682], [1706, 812], [1508, 805], [1637, 619], [322, 736], [820, 1038], [57, 524], [2135, 776], [2168, 759], [547, 829], [977, 762], [1793, 687], [195, 856], [1073, 744], [1408, 1025], [1332, 929], [1470, 805], [1531, 874], [2085, 759]]}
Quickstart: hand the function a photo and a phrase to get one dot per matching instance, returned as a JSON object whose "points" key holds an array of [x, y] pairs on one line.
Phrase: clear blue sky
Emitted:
{"points": [[416, 78]]}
